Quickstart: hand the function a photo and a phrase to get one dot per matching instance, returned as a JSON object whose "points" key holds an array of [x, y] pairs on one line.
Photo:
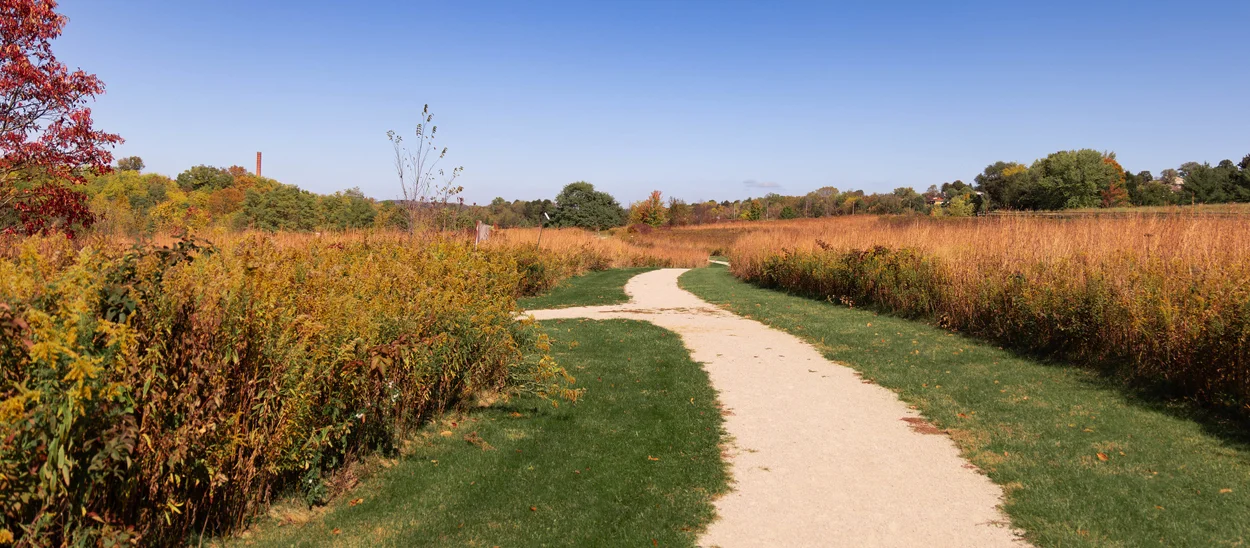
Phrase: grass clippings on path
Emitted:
{"points": [[1083, 462], [602, 288], [636, 462]]}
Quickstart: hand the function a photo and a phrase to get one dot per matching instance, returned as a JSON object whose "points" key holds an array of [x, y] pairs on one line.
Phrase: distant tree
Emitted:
{"points": [[226, 200], [957, 188], [130, 163], [1155, 193], [752, 210], [823, 201], [47, 142], [534, 211], [1188, 168], [421, 180], [1243, 182], [580, 205], [284, 208], [347, 209], [204, 178], [1115, 194], [649, 211], [1211, 185], [679, 212], [960, 206], [1072, 179], [909, 199], [391, 216], [1006, 185]]}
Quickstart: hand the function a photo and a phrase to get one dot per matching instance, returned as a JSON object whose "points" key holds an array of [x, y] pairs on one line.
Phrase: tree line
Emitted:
{"points": [[131, 202], [127, 200], [1071, 179]]}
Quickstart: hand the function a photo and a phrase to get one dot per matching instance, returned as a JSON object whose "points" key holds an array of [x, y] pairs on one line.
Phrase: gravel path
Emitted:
{"points": [[818, 456]]}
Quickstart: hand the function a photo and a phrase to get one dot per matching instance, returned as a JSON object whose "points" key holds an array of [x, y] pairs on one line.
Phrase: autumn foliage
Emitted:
{"points": [[47, 140], [150, 393], [650, 212], [1157, 299]]}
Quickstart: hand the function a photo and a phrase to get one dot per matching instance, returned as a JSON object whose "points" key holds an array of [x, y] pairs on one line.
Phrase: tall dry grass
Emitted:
{"points": [[618, 248], [1163, 298], [1201, 241]]}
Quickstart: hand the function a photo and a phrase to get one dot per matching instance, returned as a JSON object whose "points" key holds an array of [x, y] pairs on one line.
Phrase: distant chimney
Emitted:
{"points": [[258, 164]]}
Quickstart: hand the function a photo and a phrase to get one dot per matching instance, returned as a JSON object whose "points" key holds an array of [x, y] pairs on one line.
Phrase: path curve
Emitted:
{"points": [[818, 456]]}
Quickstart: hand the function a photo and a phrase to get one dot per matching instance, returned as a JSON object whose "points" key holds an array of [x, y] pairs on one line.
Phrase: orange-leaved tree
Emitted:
{"points": [[650, 211], [1115, 194]]}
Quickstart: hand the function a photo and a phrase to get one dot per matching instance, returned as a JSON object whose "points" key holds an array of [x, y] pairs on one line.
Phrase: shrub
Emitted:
{"points": [[154, 392]]}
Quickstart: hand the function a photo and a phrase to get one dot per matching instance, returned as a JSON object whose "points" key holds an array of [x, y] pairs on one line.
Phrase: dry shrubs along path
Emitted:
{"points": [[819, 457]]}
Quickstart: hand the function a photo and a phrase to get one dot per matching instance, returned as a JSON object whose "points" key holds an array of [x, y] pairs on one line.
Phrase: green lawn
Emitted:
{"points": [[592, 289], [1083, 461], [634, 463]]}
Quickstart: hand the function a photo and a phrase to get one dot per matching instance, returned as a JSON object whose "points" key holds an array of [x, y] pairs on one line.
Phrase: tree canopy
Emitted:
{"points": [[47, 143], [580, 205]]}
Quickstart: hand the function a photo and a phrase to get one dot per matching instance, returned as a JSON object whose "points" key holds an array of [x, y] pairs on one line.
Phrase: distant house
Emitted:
{"points": [[1177, 184], [934, 199]]}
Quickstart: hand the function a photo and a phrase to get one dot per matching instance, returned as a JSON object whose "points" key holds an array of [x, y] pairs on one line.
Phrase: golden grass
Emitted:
{"points": [[1198, 241], [620, 248], [1168, 296]]}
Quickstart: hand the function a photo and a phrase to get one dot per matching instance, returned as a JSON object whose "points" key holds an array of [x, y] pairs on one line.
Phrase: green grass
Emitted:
{"points": [[634, 463], [592, 289], [1036, 428]]}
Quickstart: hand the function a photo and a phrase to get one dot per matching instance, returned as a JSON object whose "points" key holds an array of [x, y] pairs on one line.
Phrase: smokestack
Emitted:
{"points": [[258, 164]]}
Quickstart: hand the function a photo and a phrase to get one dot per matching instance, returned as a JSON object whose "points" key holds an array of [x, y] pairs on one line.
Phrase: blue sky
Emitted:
{"points": [[697, 98]]}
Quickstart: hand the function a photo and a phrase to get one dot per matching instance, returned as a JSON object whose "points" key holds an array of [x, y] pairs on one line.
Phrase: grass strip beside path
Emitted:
{"points": [[1083, 462], [602, 288], [635, 463]]}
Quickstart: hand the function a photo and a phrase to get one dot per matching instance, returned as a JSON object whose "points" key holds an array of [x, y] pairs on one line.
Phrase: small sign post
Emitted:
{"points": [[540, 228]]}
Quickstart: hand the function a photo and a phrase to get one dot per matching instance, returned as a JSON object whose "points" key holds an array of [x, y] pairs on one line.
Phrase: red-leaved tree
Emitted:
{"points": [[47, 141]]}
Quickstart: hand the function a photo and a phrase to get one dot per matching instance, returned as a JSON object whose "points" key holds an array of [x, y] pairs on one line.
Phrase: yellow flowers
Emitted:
{"points": [[202, 374], [12, 408]]}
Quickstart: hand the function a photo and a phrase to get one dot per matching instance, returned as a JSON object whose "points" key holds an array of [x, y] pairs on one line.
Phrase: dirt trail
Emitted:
{"points": [[819, 457]]}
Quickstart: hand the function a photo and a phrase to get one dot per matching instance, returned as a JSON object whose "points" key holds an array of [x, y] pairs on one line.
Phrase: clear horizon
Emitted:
{"points": [[697, 100]]}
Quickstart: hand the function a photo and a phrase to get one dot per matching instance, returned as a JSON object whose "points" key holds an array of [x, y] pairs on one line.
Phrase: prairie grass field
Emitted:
{"points": [[620, 249], [1082, 460], [252, 367], [1158, 299]]}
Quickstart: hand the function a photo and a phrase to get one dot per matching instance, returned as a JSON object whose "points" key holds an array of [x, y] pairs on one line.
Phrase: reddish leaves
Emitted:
{"points": [[46, 133]]}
